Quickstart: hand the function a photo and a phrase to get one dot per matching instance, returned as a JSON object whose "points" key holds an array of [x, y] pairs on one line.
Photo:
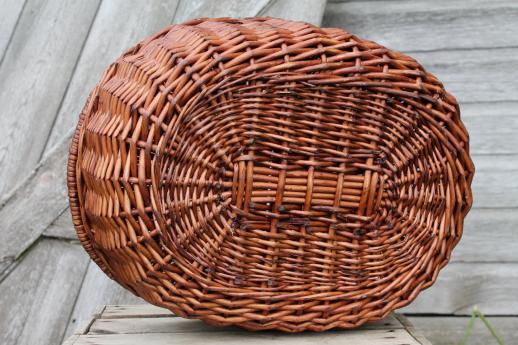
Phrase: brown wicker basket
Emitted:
{"points": [[270, 174]]}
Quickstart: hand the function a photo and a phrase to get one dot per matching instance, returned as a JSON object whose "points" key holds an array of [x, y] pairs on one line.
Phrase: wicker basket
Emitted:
{"points": [[270, 174]]}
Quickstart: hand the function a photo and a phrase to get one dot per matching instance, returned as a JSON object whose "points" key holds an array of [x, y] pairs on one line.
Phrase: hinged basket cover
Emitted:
{"points": [[270, 174]]}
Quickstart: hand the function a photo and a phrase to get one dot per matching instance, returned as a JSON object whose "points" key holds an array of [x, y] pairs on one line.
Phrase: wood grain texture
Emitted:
{"points": [[310, 11], [461, 286], [189, 9], [448, 330], [492, 127], [374, 337], [36, 298], [45, 195], [33, 77], [489, 236], [11, 10], [61, 227], [134, 310], [119, 24], [495, 184], [97, 289], [477, 75], [429, 25]]}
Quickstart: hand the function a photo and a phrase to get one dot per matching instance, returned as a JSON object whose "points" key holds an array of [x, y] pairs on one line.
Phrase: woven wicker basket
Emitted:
{"points": [[270, 174]]}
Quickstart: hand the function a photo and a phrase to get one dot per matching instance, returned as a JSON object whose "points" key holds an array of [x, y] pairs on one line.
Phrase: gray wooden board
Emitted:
{"points": [[492, 127], [190, 9], [119, 24], [448, 330], [34, 74], [61, 227], [97, 289], [490, 235], [29, 211], [375, 337], [475, 76], [429, 25], [152, 325], [495, 184], [493, 287], [11, 10], [37, 297]]}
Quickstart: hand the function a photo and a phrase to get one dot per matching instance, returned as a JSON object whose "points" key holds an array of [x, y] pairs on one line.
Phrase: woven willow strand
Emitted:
{"points": [[270, 174]]}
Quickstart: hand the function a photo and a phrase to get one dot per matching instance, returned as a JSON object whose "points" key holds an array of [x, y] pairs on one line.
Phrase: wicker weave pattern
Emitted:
{"points": [[270, 174]]}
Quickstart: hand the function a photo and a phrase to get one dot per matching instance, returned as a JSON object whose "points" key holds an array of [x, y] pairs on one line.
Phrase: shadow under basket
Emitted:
{"points": [[270, 174]]}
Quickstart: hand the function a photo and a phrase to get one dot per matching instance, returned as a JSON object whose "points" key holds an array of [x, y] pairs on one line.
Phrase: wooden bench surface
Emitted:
{"points": [[150, 325]]}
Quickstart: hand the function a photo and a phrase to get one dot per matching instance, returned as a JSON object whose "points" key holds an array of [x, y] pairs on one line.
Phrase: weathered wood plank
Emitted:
{"points": [[374, 337], [495, 184], [118, 25], [33, 77], [448, 330], [461, 286], [466, 75], [37, 297], [97, 289], [29, 211], [134, 310], [492, 127], [492, 136], [11, 10], [489, 236], [411, 329], [222, 8], [310, 11], [62, 226], [429, 25]]}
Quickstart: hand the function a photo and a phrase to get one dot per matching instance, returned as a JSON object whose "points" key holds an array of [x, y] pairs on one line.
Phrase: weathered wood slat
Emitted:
{"points": [[222, 8], [476, 76], [11, 10], [97, 289], [448, 330], [375, 337], [37, 297], [310, 11], [461, 286], [495, 184], [62, 227], [118, 25], [492, 127], [34, 206], [33, 77], [425, 25], [489, 236], [134, 310]]}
